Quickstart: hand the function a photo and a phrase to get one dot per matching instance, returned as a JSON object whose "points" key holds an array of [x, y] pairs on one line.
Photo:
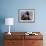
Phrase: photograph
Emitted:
{"points": [[26, 15]]}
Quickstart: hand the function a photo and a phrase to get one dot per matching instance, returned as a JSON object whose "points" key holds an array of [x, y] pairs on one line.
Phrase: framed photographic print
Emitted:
{"points": [[26, 15]]}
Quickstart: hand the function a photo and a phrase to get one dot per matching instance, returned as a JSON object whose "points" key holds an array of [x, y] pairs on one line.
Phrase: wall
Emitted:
{"points": [[9, 8]]}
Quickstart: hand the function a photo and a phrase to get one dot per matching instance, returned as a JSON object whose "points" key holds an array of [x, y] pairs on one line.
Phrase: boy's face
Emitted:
{"points": [[27, 13]]}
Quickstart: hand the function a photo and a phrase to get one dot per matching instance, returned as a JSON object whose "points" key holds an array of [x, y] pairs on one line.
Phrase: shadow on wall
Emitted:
{"points": [[2, 21]]}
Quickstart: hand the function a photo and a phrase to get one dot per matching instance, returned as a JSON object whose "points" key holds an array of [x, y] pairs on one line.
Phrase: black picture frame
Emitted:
{"points": [[26, 15]]}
